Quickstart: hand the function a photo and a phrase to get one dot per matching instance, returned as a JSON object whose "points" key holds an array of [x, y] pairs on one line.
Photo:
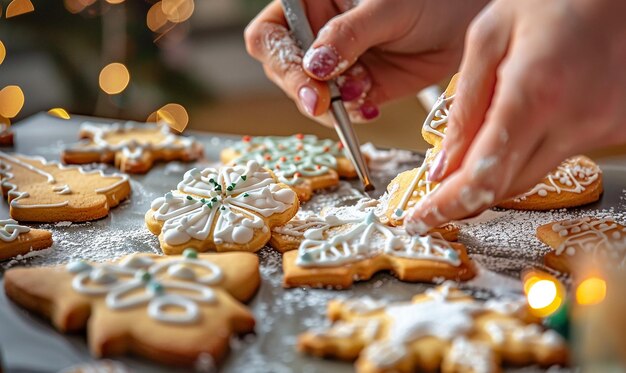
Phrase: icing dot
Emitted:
{"points": [[542, 192], [451, 255], [570, 251], [155, 288], [101, 275], [181, 271], [399, 212], [190, 253], [78, 266], [242, 235]]}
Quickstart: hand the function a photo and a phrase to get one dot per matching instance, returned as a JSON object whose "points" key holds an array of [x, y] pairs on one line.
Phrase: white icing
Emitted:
{"points": [[16, 196], [438, 115], [590, 236], [571, 176], [471, 356], [342, 241], [139, 280], [420, 180], [10, 229], [380, 160], [229, 202]]}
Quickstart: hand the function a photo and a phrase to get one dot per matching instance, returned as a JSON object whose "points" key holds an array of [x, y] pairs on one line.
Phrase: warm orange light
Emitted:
{"points": [[5, 122], [3, 52], [178, 11], [156, 19], [174, 115], [115, 1], [543, 292], [19, 7], [11, 101], [114, 78], [59, 113], [591, 291]]}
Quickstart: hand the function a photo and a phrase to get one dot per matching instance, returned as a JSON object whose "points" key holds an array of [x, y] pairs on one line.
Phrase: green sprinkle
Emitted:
{"points": [[155, 287], [210, 205], [212, 181], [189, 198], [214, 199], [144, 276], [399, 212], [190, 253], [243, 177], [223, 208], [229, 188], [246, 195], [202, 200]]}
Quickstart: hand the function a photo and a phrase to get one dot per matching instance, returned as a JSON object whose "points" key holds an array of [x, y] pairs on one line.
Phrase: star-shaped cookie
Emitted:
{"points": [[18, 239], [44, 191], [133, 147], [303, 162], [443, 329], [579, 240], [230, 209], [173, 310]]}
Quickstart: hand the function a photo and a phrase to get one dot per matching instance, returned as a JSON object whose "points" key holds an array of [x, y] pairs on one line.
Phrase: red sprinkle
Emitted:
{"points": [[318, 166], [297, 174], [340, 145], [246, 139], [268, 157], [283, 159], [299, 136], [296, 158], [277, 166], [326, 149]]}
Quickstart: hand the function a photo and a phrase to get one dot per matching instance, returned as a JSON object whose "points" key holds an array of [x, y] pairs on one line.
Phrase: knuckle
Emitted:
{"points": [[482, 32], [254, 39]]}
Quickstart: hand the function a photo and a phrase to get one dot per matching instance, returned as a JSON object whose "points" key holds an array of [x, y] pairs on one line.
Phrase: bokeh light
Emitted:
{"points": [[591, 291], [11, 101], [178, 11], [115, 1], [3, 52], [19, 7], [114, 78], [156, 19], [543, 292], [6, 122], [59, 113], [175, 115]]}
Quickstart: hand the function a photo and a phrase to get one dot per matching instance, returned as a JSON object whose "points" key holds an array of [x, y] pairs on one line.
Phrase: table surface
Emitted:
{"points": [[29, 344]]}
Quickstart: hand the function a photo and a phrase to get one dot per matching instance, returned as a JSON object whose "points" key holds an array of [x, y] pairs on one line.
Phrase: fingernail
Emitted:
{"points": [[308, 99], [438, 166], [350, 88], [321, 61], [369, 110]]}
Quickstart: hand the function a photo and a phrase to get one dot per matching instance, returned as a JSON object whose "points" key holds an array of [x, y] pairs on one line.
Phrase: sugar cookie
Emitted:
{"points": [[173, 310], [233, 208], [133, 147], [577, 240], [303, 162], [18, 239], [44, 191], [575, 182], [443, 329]]}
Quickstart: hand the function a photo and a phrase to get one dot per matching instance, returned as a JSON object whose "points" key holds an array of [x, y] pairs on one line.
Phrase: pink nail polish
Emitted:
{"points": [[351, 89], [369, 110], [308, 99], [321, 61], [436, 170]]}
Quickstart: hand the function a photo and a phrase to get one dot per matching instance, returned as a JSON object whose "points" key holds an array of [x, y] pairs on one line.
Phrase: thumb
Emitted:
{"points": [[346, 37]]}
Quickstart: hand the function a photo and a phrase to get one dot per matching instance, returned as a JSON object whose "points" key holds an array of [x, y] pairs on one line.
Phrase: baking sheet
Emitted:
{"points": [[501, 242]]}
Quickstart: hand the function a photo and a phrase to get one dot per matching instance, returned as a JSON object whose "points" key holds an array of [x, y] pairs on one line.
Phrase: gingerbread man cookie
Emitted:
{"points": [[337, 251], [577, 240], [576, 181], [303, 162], [18, 239], [233, 208], [44, 191], [133, 147], [443, 329], [409, 187], [173, 310]]}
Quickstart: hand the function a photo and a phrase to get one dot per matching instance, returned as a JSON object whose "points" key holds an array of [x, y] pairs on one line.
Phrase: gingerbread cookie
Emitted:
{"points": [[303, 162], [575, 182], [133, 147], [18, 239], [6, 135], [337, 251], [233, 208], [577, 240], [44, 191], [409, 187], [173, 310], [443, 329]]}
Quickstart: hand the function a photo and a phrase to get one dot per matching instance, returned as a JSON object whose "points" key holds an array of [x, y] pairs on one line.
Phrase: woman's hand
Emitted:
{"points": [[540, 81], [378, 50]]}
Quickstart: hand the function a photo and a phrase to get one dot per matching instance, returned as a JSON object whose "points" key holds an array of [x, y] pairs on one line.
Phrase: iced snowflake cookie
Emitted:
{"points": [[303, 162], [443, 329], [409, 187], [336, 252], [173, 310], [581, 239], [18, 239], [230, 209], [133, 147], [575, 182], [44, 191]]}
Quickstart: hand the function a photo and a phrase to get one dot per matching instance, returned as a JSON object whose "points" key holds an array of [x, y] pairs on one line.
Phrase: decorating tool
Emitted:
{"points": [[302, 32]]}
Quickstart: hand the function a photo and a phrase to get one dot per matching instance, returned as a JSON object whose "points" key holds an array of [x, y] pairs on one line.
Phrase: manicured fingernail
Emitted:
{"points": [[321, 61], [350, 88], [369, 110], [308, 98], [438, 166]]}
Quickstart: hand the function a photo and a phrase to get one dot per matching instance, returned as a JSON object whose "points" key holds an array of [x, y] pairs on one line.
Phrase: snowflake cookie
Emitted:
{"points": [[303, 162], [578, 240], [230, 209], [336, 251], [443, 329], [133, 147], [173, 310], [18, 239], [575, 182], [44, 191]]}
